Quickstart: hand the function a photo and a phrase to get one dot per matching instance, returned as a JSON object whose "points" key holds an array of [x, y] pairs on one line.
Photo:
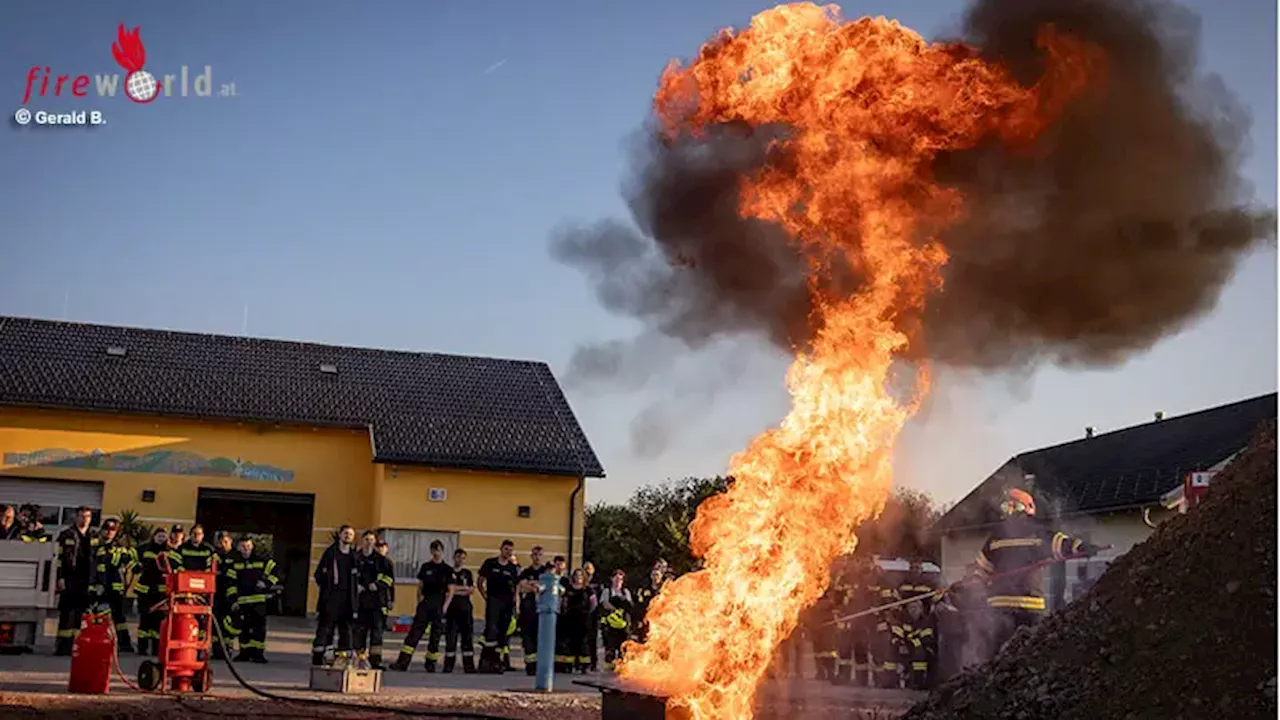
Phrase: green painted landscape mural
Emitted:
{"points": [[164, 462]]}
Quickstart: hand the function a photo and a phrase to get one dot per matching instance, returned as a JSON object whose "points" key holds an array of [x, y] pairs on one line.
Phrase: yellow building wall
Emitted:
{"points": [[483, 509], [334, 465]]}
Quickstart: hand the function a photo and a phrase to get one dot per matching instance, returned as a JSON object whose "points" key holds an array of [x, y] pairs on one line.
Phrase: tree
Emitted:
{"points": [[654, 523]]}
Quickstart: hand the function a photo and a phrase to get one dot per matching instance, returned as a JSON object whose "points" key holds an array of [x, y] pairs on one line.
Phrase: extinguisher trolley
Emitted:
{"points": [[182, 664]]}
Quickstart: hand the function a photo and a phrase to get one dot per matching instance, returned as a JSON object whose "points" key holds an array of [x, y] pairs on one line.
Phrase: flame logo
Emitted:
{"points": [[139, 85]]}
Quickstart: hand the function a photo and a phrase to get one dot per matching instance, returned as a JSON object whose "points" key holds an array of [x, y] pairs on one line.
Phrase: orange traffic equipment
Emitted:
{"points": [[93, 654], [182, 664]]}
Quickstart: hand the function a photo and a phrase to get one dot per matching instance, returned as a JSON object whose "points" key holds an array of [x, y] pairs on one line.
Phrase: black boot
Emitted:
{"points": [[468, 664], [402, 662], [317, 658], [430, 666], [62, 647], [143, 643], [531, 668], [449, 662], [125, 644], [259, 657], [375, 662]]}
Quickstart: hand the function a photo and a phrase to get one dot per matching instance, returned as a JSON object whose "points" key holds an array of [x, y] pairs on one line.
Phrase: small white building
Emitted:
{"points": [[1108, 489]]}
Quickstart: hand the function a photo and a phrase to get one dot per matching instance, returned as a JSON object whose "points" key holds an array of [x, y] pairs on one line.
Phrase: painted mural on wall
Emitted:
{"points": [[165, 462]]}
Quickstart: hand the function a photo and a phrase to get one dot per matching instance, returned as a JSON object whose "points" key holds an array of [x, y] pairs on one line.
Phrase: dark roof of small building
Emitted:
{"points": [[449, 411], [1120, 469]]}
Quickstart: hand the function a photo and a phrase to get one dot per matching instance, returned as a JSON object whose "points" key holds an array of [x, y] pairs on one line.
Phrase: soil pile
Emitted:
{"points": [[1182, 626]]}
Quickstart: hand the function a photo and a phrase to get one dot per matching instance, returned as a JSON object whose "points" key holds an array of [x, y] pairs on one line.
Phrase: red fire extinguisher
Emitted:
{"points": [[92, 655]]}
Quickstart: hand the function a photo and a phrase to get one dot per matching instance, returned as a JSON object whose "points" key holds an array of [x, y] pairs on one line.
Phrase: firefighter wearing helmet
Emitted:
{"points": [[1008, 562]]}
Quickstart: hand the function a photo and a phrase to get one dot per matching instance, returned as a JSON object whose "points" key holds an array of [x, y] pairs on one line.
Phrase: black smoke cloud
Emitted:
{"points": [[1119, 228]]}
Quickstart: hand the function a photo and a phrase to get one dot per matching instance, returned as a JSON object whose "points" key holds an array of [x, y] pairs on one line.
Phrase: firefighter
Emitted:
{"points": [[385, 551], [862, 630], [844, 593], [646, 594], [433, 585], [114, 561], [822, 635], [253, 581], [528, 583], [196, 553], [151, 591], [616, 610], [921, 644], [376, 578], [10, 529], [459, 616], [30, 527], [576, 608], [77, 551], [917, 583], [593, 635], [1008, 561], [336, 604], [177, 538], [884, 651], [497, 583], [222, 602]]}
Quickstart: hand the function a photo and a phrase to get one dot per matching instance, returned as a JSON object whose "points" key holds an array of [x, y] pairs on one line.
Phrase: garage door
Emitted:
{"points": [[58, 499]]}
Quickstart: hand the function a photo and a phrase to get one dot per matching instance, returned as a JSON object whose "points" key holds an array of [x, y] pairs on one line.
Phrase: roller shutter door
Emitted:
{"points": [[56, 498]]}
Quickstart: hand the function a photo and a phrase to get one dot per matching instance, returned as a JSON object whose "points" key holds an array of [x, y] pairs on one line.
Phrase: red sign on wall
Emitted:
{"points": [[1195, 485]]}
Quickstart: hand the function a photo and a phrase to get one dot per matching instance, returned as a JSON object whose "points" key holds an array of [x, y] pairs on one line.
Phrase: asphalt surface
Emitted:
{"points": [[37, 683]]}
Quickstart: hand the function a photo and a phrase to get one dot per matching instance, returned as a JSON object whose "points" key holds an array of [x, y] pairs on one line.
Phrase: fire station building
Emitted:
{"points": [[290, 440]]}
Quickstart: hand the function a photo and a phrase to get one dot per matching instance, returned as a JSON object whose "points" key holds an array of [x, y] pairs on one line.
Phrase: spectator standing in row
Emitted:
{"points": [[497, 585], [646, 594], [593, 634], [335, 607], [528, 583], [195, 553], [77, 551], [376, 581], [222, 601], [428, 617], [253, 581], [459, 615], [115, 561], [10, 529], [617, 606], [151, 592], [578, 604]]}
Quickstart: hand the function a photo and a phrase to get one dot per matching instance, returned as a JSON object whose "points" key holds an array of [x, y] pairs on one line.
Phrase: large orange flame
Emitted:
{"points": [[869, 104]]}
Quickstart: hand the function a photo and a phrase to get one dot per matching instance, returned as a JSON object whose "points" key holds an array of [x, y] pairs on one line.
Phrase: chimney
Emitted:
{"points": [[1088, 432], [1159, 415]]}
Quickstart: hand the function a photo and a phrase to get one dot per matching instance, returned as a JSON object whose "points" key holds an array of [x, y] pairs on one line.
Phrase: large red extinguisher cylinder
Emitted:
{"points": [[187, 631], [92, 655]]}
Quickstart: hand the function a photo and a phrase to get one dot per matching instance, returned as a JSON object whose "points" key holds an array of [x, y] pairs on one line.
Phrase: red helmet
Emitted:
{"points": [[1019, 501]]}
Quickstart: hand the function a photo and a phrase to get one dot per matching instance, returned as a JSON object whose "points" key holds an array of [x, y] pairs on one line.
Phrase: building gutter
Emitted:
{"points": [[573, 514]]}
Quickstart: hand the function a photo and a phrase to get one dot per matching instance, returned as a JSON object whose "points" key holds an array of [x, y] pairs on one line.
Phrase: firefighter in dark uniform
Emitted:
{"points": [[114, 561], [497, 583], [433, 585], [253, 581], [29, 527], [376, 578], [336, 603], [884, 652], [918, 584], [222, 602], [822, 635], [645, 595], [150, 591], [920, 643], [459, 616], [527, 585], [77, 551], [177, 538], [1015, 598], [865, 595], [196, 553], [843, 595]]}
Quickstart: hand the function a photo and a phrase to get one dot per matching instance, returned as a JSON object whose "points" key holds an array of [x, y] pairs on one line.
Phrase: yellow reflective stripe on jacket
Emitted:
{"points": [[252, 599], [984, 563], [386, 580], [1019, 542], [1018, 602]]}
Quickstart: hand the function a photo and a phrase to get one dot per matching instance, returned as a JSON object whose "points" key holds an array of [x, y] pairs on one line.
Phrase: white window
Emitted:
{"points": [[408, 549]]}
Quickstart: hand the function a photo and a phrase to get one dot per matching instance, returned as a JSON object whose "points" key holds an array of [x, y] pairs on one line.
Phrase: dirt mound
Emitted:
{"points": [[1182, 626]]}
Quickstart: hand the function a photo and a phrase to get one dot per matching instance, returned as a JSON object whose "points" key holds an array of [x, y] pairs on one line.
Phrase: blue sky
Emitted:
{"points": [[389, 173]]}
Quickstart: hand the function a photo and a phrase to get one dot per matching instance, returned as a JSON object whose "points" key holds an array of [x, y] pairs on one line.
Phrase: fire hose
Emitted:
{"points": [[944, 590], [372, 710]]}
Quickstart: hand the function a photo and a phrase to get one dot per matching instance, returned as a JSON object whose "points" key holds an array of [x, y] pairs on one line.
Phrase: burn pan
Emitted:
{"points": [[626, 701]]}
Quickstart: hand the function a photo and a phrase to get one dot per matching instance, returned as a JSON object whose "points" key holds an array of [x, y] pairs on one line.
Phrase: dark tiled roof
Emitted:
{"points": [[422, 408], [1124, 468]]}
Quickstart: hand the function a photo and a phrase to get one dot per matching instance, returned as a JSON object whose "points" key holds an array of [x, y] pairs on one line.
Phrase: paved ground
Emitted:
{"points": [[35, 681]]}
